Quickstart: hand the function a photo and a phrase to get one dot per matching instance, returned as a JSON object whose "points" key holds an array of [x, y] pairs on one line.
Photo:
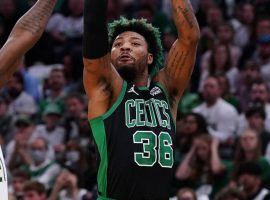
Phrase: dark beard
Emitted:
{"points": [[127, 73]]}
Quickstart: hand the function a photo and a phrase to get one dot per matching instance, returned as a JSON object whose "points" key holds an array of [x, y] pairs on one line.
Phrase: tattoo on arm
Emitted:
{"points": [[187, 15], [183, 8], [35, 20], [177, 62]]}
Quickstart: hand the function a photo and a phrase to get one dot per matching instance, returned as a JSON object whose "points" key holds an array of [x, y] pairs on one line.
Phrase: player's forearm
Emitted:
{"points": [[35, 20], [95, 37], [24, 35], [185, 20]]}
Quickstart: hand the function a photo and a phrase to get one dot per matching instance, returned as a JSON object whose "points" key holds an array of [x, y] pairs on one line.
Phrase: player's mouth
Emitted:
{"points": [[125, 57]]}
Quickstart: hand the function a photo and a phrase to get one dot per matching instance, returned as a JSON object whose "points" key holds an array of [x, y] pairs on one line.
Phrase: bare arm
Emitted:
{"points": [[101, 81], [181, 58], [24, 35]]}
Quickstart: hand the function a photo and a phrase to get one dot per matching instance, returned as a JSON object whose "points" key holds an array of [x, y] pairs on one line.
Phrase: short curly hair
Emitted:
{"points": [[148, 31]]}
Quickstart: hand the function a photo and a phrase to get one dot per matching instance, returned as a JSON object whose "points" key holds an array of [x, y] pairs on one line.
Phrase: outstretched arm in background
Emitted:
{"points": [[23, 36], [101, 81], [181, 58]]}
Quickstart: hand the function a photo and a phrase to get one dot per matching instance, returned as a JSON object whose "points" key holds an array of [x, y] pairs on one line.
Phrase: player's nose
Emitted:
{"points": [[126, 47]]}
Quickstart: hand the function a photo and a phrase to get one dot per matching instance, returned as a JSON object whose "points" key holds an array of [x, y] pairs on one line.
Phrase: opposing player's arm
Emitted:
{"points": [[102, 83], [23, 36], [181, 58]]}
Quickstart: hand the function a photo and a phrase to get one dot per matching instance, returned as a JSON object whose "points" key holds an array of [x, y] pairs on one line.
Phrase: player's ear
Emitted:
{"points": [[150, 58]]}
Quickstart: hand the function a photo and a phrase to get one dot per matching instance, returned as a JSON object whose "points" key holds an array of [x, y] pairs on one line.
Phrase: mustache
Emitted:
{"points": [[125, 55]]}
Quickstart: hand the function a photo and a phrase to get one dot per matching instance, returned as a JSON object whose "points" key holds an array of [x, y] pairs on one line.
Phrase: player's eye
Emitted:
{"points": [[135, 44], [117, 44]]}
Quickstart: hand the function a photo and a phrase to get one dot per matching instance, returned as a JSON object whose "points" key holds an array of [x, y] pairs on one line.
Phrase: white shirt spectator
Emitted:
{"points": [[221, 118], [54, 137], [24, 104], [45, 173]]}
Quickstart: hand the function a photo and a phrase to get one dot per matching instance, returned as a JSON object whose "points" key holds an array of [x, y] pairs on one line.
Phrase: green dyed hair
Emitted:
{"points": [[149, 32]]}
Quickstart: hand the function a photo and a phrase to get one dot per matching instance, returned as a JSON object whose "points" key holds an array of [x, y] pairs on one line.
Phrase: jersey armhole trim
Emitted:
{"points": [[168, 100]]}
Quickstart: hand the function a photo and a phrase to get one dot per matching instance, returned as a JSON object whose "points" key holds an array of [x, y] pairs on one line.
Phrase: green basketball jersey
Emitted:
{"points": [[135, 143]]}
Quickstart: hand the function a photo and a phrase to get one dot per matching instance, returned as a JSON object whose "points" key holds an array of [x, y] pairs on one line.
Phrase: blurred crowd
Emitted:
{"points": [[223, 123]]}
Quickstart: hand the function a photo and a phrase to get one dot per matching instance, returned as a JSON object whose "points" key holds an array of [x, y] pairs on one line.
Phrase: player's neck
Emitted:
{"points": [[141, 82]]}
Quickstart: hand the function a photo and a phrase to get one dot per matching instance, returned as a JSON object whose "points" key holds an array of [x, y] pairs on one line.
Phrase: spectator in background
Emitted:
{"points": [[259, 95], [225, 34], [208, 33], [202, 168], [75, 159], [66, 30], [66, 187], [41, 167], [213, 108], [34, 191], [255, 116], [220, 62], [30, 83], [51, 130], [187, 129], [72, 67], [248, 149], [226, 92], [75, 122], [262, 28], [249, 74], [243, 24], [19, 179], [17, 149], [249, 180], [230, 193], [54, 92], [203, 7], [20, 101]]}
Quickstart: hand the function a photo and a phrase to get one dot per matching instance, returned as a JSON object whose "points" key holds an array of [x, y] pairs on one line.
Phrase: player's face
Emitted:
{"points": [[129, 54]]}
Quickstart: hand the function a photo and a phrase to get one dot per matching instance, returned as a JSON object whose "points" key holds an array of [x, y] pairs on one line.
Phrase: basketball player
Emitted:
{"points": [[24, 35], [132, 101]]}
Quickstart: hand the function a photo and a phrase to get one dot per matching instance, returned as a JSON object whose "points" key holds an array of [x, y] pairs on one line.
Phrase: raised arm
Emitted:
{"points": [[101, 81], [23, 36], [181, 58]]}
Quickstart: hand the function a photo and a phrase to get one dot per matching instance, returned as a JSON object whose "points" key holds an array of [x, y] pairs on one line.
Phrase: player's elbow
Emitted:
{"points": [[194, 36], [191, 37]]}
